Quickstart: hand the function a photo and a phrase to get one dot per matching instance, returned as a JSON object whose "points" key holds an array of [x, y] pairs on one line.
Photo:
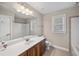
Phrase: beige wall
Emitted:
{"points": [[61, 40]]}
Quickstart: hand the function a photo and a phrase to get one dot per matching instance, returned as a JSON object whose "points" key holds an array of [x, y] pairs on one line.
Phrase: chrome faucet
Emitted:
{"points": [[4, 44], [27, 39]]}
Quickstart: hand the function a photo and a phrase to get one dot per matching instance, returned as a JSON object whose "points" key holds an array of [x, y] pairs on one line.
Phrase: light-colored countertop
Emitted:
{"points": [[20, 47]]}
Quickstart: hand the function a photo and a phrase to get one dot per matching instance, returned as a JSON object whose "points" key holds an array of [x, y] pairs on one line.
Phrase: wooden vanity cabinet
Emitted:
{"points": [[36, 50], [33, 51], [41, 48], [24, 53]]}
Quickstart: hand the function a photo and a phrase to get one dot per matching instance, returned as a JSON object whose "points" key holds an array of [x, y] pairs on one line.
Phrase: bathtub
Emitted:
{"points": [[74, 49]]}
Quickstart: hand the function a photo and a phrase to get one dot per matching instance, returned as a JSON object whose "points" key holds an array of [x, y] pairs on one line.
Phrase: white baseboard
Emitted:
{"points": [[61, 48]]}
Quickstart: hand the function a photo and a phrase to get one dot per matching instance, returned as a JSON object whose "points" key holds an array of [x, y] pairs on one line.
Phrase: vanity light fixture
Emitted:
{"points": [[23, 10]]}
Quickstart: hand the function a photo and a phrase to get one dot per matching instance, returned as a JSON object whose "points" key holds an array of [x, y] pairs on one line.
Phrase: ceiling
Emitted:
{"points": [[42, 7], [47, 7]]}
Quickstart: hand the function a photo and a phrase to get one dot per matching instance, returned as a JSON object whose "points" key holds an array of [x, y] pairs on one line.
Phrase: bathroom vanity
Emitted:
{"points": [[37, 50], [34, 47]]}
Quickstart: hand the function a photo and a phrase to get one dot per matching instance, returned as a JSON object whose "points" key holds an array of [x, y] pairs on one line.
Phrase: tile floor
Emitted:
{"points": [[55, 52]]}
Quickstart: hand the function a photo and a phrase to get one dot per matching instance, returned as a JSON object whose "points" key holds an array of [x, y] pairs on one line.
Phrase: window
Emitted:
{"points": [[59, 24]]}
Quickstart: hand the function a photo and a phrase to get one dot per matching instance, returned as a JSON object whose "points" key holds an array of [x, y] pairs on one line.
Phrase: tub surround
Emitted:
{"points": [[21, 46]]}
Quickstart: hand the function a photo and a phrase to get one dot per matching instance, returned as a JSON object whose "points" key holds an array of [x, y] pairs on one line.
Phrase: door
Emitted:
{"points": [[75, 36]]}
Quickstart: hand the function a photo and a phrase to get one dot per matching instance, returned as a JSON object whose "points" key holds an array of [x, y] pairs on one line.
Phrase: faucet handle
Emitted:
{"points": [[27, 39]]}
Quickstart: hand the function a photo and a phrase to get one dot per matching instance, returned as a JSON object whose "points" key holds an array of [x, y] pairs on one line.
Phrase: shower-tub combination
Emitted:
{"points": [[75, 36]]}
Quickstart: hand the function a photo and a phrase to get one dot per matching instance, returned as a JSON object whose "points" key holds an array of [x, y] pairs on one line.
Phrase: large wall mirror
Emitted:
{"points": [[15, 24]]}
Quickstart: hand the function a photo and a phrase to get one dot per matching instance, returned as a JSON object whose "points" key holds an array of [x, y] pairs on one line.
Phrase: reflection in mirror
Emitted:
{"points": [[20, 28], [14, 25], [5, 28]]}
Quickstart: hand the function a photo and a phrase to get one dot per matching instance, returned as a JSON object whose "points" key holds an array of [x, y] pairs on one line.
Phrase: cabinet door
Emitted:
{"points": [[30, 52], [42, 48], [35, 51]]}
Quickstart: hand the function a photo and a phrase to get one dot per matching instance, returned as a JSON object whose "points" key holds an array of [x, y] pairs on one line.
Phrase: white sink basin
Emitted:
{"points": [[2, 49], [29, 41]]}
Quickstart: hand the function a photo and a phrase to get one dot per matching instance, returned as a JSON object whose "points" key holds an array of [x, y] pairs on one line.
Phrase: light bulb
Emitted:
{"points": [[30, 12], [18, 10], [26, 10], [27, 13]]}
